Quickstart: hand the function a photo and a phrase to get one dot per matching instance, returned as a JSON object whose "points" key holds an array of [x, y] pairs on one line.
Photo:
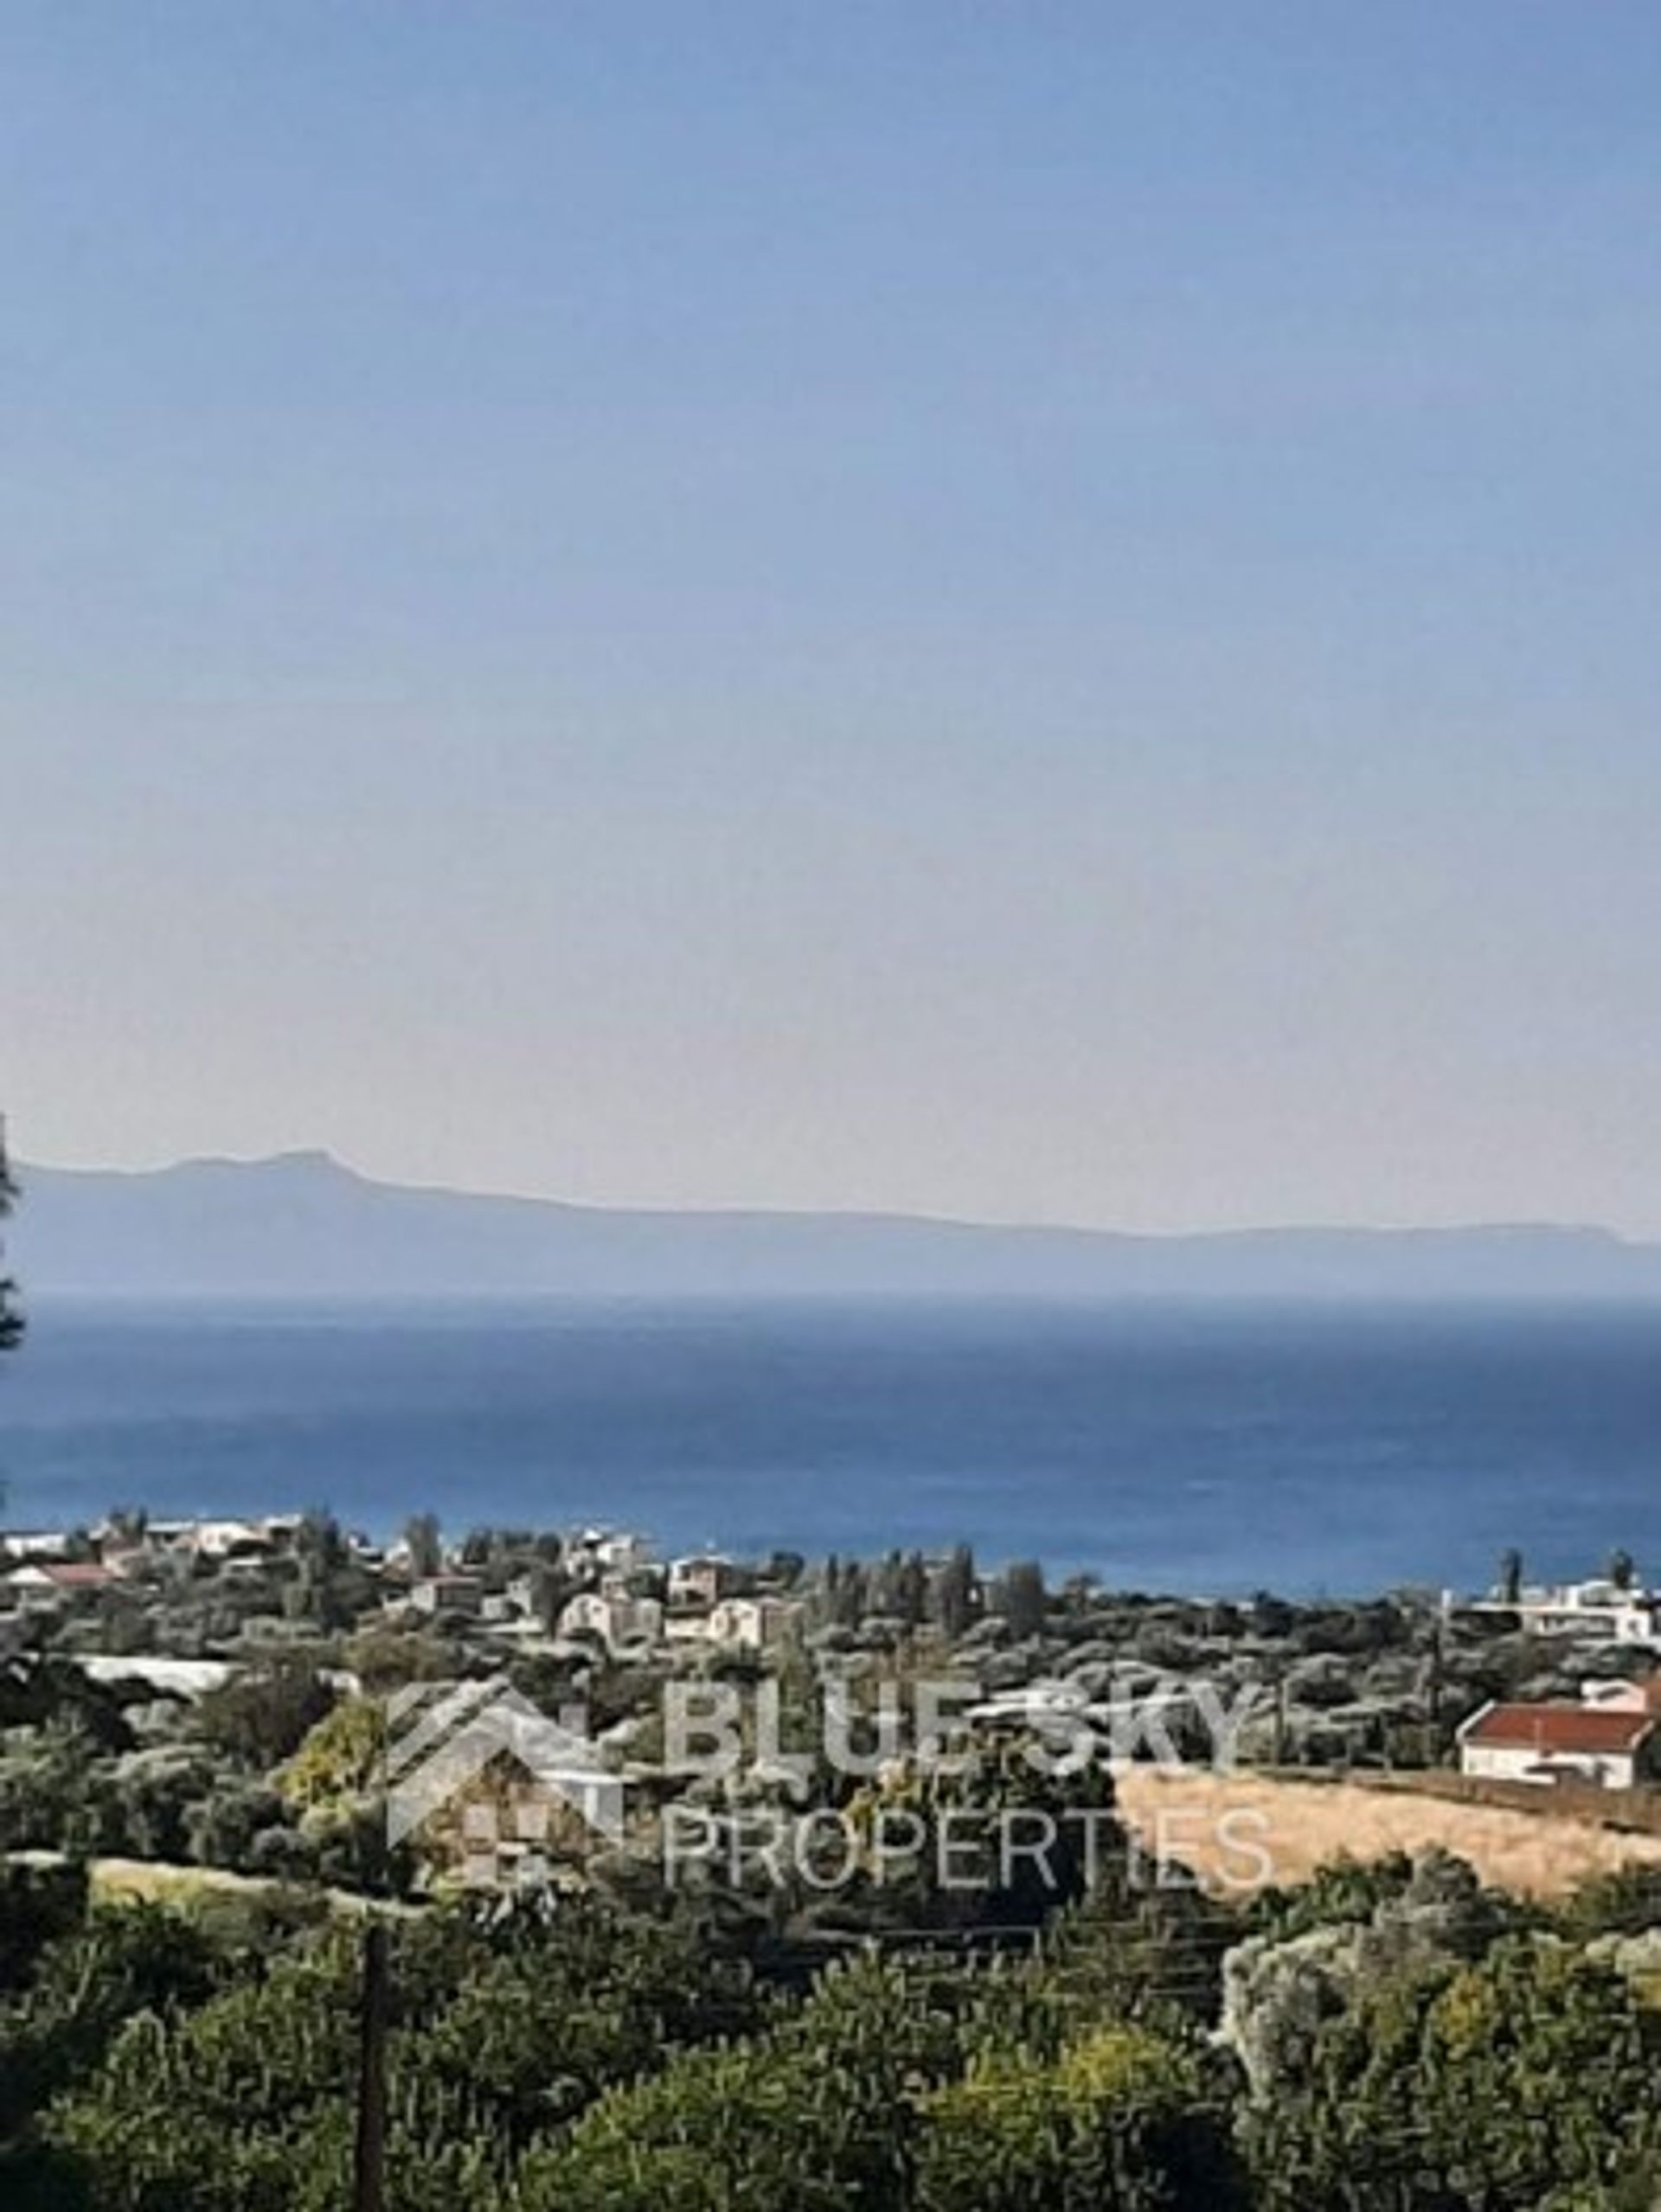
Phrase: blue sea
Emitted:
{"points": [[1171, 1448]]}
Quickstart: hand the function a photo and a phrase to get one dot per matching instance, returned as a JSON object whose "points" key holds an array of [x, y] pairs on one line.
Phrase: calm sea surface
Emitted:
{"points": [[1204, 1450]]}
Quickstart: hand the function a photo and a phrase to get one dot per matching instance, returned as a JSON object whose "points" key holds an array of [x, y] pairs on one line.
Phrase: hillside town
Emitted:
{"points": [[169, 1685]]}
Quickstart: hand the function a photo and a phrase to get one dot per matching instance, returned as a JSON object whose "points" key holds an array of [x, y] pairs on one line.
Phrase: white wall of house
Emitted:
{"points": [[1623, 1696], [701, 1579], [751, 1624], [448, 1593], [1525, 1762], [34, 1543], [614, 1620], [1594, 1612]]}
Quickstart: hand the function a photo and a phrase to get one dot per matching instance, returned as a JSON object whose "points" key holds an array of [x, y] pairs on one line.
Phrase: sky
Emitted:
{"points": [[1039, 611]]}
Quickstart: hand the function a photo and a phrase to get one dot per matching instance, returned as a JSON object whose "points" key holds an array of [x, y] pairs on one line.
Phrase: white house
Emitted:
{"points": [[1598, 1611], [613, 1550], [1557, 1740], [521, 1594], [453, 1595], [53, 1579], [218, 1539], [751, 1624], [1035, 1703], [703, 1581], [34, 1543], [191, 1678], [615, 1618], [180, 1533], [1617, 1696]]}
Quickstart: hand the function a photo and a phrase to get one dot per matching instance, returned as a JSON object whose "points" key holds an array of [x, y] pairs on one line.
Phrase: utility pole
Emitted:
{"points": [[370, 2159]]}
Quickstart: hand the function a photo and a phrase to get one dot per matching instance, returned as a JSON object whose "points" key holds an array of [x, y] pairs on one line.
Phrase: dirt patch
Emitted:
{"points": [[1244, 1832]]}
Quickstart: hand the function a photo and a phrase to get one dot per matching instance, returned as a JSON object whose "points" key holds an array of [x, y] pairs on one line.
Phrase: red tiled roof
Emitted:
{"points": [[1561, 1727], [64, 1574]]}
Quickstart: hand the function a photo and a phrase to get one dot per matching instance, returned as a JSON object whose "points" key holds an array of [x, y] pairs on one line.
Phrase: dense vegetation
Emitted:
{"points": [[1390, 2038]]}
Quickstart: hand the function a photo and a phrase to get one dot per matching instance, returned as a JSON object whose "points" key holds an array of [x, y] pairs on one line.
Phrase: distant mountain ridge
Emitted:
{"points": [[302, 1225]]}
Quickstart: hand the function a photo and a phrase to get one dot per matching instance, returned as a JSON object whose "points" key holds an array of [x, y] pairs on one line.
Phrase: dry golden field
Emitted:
{"points": [[1243, 1829]]}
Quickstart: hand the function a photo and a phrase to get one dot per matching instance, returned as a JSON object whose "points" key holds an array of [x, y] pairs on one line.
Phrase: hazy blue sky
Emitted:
{"points": [[1020, 609]]}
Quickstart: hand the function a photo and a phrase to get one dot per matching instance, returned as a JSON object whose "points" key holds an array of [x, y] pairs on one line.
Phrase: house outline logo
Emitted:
{"points": [[441, 1736]]}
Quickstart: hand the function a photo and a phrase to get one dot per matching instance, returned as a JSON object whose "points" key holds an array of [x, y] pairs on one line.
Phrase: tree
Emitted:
{"points": [[818, 2115], [1120, 2118], [847, 1594], [318, 1544], [886, 1593], [425, 1544], [38, 1905], [1625, 1902], [1623, 1570], [1511, 1575], [11, 1321], [1521, 2081], [125, 1960], [343, 1757], [265, 1716], [914, 1591], [1021, 1599], [550, 1591], [225, 1828], [232, 2105], [327, 1591], [127, 1523], [955, 1591]]}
